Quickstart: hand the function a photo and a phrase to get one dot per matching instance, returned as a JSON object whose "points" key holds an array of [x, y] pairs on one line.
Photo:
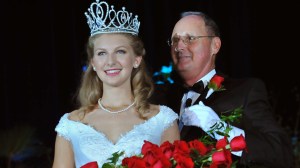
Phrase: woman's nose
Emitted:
{"points": [[111, 59]]}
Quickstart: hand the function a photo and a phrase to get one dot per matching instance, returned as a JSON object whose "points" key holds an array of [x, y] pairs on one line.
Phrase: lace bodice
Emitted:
{"points": [[91, 145]]}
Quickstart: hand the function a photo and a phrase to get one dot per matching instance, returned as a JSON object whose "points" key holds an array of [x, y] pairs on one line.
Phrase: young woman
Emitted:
{"points": [[114, 113]]}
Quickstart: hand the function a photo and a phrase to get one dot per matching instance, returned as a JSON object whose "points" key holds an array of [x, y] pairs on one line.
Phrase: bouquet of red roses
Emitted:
{"points": [[203, 152], [180, 154]]}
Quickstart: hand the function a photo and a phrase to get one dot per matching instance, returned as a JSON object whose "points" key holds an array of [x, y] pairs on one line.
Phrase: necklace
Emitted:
{"points": [[114, 112]]}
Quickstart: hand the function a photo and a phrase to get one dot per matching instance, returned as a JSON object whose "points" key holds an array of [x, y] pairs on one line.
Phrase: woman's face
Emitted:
{"points": [[114, 59]]}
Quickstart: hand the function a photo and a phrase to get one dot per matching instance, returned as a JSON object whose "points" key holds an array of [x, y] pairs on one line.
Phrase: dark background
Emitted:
{"points": [[43, 51]]}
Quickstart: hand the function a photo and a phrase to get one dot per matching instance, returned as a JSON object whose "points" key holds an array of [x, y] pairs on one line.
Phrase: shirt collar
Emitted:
{"points": [[207, 77]]}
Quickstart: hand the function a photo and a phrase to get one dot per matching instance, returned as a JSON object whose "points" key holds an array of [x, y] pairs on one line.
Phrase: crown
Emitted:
{"points": [[103, 19]]}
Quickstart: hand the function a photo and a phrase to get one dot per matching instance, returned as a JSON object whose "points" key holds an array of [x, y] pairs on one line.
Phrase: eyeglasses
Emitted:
{"points": [[187, 40]]}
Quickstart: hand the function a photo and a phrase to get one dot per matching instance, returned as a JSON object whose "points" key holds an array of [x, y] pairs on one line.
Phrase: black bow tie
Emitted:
{"points": [[197, 87]]}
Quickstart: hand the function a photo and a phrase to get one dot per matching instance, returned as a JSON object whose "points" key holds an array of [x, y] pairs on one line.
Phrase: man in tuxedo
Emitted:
{"points": [[195, 42]]}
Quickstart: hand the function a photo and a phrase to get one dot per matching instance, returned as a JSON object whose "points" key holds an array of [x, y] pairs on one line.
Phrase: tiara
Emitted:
{"points": [[103, 19]]}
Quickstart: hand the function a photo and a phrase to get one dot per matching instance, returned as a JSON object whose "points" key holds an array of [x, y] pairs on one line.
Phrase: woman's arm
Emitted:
{"points": [[171, 134], [63, 155]]}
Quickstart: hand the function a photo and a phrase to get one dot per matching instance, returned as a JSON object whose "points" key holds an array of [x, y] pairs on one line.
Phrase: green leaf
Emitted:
{"points": [[108, 165], [115, 157]]}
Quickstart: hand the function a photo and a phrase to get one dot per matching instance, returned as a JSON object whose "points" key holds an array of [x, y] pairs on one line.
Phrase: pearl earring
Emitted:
{"points": [[176, 49], [94, 68]]}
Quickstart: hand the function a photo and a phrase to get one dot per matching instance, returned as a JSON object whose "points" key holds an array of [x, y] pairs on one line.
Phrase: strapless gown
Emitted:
{"points": [[91, 145]]}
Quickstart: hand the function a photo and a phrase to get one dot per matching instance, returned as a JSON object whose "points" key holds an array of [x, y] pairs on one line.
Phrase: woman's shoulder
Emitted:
{"points": [[161, 109], [66, 124], [153, 110], [76, 115]]}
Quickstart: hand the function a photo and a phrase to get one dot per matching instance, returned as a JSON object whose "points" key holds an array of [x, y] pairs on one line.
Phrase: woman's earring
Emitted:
{"points": [[176, 49], [94, 68], [135, 65]]}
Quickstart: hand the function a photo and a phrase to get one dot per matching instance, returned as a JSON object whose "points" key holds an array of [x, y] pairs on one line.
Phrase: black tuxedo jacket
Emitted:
{"points": [[268, 144]]}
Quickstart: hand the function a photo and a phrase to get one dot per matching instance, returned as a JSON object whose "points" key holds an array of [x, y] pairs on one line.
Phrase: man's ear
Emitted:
{"points": [[216, 45]]}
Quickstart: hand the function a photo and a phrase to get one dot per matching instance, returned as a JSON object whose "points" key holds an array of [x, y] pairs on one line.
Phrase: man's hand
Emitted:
{"points": [[204, 117], [201, 116]]}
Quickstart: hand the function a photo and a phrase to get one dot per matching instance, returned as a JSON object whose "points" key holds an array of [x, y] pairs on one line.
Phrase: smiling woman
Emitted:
{"points": [[114, 59], [115, 113]]}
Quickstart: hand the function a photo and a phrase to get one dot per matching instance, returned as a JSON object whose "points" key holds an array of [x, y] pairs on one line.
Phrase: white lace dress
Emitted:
{"points": [[91, 145]]}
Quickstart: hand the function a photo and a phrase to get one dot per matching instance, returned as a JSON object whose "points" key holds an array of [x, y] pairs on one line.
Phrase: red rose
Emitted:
{"points": [[183, 162], [156, 159], [134, 162], [161, 163], [221, 158], [221, 143], [238, 143], [198, 146], [154, 156], [148, 146], [217, 80], [167, 148], [216, 83], [151, 156], [181, 148], [90, 165]]}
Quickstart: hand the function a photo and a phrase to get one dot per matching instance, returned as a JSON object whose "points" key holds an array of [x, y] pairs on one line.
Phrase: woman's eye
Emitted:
{"points": [[121, 51], [100, 53]]}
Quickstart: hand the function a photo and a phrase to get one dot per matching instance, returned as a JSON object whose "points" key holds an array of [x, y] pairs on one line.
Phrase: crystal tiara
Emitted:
{"points": [[103, 19]]}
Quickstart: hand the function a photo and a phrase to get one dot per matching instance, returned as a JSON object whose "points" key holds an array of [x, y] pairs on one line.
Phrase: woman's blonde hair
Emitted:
{"points": [[91, 88]]}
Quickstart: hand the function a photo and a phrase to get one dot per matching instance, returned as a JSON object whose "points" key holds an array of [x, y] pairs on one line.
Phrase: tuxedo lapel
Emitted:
{"points": [[209, 101]]}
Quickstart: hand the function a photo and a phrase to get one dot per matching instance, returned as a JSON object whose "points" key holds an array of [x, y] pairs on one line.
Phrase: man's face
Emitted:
{"points": [[193, 56]]}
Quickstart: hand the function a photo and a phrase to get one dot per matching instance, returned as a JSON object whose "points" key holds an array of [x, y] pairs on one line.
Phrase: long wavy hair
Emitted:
{"points": [[91, 87]]}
